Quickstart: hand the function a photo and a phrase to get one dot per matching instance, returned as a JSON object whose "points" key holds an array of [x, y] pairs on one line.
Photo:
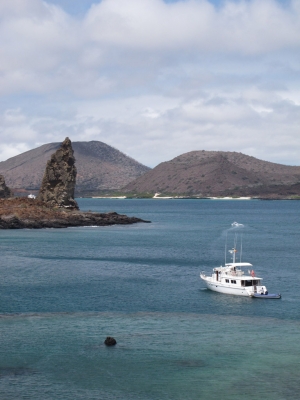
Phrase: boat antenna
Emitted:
{"points": [[241, 248], [226, 247], [234, 248], [235, 241]]}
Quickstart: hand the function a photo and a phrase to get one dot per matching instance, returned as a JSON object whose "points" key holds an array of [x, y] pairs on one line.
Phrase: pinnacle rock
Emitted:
{"points": [[5, 191], [58, 185]]}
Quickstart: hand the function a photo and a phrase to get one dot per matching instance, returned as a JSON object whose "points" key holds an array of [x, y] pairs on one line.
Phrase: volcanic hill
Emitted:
{"points": [[99, 167], [219, 174]]}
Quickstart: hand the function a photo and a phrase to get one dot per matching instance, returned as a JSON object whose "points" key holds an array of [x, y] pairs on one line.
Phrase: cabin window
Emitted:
{"points": [[227, 280], [233, 281], [251, 282], [242, 283]]}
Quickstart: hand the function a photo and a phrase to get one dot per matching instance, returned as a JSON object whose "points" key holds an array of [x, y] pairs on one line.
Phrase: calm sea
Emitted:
{"points": [[63, 291]]}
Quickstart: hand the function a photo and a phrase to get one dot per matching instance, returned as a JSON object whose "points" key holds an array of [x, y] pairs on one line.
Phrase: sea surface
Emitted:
{"points": [[62, 291]]}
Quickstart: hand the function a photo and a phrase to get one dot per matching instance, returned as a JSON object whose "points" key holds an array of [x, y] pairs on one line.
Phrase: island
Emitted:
{"points": [[21, 212], [55, 206]]}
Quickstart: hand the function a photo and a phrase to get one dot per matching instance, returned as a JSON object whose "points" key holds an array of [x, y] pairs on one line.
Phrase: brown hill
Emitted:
{"points": [[217, 173], [99, 167]]}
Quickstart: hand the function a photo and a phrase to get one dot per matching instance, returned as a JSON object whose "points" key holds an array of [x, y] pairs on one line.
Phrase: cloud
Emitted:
{"points": [[247, 27], [151, 78]]}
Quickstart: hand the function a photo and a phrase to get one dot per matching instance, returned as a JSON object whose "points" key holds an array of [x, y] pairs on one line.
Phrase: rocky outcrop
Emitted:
{"points": [[5, 191], [21, 212], [58, 185], [110, 341]]}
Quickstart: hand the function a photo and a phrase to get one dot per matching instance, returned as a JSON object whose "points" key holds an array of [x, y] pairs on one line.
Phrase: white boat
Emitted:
{"points": [[31, 196], [232, 279]]}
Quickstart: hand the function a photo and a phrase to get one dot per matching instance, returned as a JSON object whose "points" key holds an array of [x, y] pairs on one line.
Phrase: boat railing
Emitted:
{"points": [[234, 273]]}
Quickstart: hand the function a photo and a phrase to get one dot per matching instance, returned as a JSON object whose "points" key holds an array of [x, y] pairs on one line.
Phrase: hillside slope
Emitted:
{"points": [[217, 173], [99, 167]]}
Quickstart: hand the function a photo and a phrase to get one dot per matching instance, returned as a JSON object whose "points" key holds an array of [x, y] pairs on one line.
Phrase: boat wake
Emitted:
{"points": [[237, 225]]}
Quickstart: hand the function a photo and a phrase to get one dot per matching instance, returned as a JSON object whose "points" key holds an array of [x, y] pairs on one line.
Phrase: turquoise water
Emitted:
{"points": [[63, 291]]}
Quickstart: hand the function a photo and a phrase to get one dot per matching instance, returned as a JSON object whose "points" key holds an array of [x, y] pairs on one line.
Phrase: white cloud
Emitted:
{"points": [[246, 27], [152, 79], [11, 150]]}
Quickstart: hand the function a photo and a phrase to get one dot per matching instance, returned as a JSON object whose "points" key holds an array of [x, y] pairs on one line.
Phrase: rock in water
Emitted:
{"points": [[110, 341], [4, 190], [59, 179]]}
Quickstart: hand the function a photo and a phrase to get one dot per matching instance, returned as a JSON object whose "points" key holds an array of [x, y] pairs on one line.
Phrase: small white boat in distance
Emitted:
{"points": [[236, 225], [232, 279], [31, 196]]}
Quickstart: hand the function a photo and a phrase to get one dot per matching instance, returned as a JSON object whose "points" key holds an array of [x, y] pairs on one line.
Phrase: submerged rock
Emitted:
{"points": [[15, 371], [5, 191], [110, 341], [58, 185]]}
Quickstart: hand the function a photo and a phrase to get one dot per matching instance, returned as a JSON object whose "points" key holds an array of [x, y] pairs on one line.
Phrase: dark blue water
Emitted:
{"points": [[63, 291]]}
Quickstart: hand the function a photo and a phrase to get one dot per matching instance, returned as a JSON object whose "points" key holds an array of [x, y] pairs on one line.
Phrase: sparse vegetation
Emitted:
{"points": [[223, 174], [99, 167]]}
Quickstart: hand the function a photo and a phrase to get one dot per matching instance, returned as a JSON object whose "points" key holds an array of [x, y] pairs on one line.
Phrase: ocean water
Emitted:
{"points": [[63, 291]]}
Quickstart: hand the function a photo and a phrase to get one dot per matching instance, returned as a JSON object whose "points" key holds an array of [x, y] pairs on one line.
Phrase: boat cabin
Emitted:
{"points": [[233, 274]]}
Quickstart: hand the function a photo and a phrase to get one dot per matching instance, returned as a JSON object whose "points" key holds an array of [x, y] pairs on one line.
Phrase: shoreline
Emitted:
{"points": [[24, 213], [226, 198]]}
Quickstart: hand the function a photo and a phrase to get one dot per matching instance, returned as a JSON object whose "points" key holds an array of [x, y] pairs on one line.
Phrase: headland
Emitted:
{"points": [[21, 213]]}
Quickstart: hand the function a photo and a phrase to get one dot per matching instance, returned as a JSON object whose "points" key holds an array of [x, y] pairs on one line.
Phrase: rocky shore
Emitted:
{"points": [[55, 206], [21, 213]]}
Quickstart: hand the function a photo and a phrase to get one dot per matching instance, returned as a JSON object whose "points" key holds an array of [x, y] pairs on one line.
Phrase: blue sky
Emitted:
{"points": [[152, 78], [82, 6]]}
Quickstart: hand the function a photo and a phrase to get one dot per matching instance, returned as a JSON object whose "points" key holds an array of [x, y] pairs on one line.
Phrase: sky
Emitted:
{"points": [[152, 78]]}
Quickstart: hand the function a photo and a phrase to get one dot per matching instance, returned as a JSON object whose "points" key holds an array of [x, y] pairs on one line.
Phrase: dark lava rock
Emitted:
{"points": [[21, 212], [5, 191], [58, 185], [110, 341]]}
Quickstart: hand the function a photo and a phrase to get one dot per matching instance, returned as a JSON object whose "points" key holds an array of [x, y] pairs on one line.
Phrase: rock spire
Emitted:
{"points": [[58, 185], [5, 191]]}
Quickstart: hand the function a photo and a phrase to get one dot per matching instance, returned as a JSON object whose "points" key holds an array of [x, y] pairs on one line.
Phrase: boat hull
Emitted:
{"points": [[218, 287]]}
